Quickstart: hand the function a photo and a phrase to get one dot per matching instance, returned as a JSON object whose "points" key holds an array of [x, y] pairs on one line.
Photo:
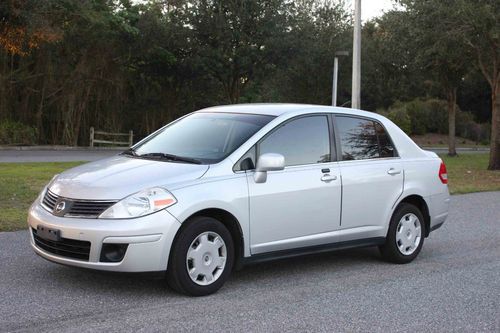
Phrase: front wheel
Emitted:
{"points": [[405, 237], [202, 257]]}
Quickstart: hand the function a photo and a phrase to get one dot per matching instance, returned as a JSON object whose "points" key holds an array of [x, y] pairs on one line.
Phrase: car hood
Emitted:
{"points": [[117, 177]]}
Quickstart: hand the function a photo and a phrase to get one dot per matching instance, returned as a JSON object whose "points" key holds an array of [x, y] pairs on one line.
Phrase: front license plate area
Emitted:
{"points": [[48, 233]]}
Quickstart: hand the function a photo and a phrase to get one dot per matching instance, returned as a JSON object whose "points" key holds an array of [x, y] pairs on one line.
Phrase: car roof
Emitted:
{"points": [[279, 109]]}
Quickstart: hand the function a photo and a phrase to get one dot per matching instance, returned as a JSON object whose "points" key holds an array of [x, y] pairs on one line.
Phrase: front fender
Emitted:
{"points": [[229, 194]]}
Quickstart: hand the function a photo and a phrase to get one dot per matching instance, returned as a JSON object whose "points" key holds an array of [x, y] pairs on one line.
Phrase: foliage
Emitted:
{"points": [[400, 117], [117, 65], [464, 29], [420, 116], [16, 133], [120, 65]]}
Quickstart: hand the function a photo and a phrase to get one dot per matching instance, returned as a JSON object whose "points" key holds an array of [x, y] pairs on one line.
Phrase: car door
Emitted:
{"points": [[299, 205], [372, 176]]}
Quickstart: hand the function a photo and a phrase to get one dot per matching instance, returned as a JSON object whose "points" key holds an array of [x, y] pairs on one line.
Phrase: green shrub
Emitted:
{"points": [[437, 116], [16, 133], [400, 118], [423, 115], [420, 116]]}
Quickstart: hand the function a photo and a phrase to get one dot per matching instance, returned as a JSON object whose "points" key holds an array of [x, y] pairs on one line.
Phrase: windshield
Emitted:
{"points": [[204, 137]]}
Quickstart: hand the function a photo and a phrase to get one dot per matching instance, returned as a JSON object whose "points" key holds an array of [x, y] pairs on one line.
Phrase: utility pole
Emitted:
{"points": [[335, 75], [335, 80], [356, 57]]}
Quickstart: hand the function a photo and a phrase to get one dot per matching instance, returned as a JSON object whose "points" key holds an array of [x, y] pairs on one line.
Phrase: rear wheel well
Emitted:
{"points": [[420, 203], [231, 223]]}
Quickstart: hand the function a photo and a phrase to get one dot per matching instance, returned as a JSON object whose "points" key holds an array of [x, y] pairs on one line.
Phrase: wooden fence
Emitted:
{"points": [[117, 142]]}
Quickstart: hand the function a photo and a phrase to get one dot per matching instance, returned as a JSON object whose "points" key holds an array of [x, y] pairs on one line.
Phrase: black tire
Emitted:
{"points": [[177, 272], [390, 251]]}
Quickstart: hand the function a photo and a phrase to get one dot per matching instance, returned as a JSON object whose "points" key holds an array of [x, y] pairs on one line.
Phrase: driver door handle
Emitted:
{"points": [[328, 178]]}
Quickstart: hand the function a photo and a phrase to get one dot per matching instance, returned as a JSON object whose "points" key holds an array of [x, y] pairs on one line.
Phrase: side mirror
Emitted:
{"points": [[268, 162]]}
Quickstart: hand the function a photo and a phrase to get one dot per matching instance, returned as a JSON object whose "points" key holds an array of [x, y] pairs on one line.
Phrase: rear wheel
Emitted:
{"points": [[405, 236], [201, 258]]}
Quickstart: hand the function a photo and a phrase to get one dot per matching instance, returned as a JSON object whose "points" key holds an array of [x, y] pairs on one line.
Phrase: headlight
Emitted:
{"points": [[139, 204]]}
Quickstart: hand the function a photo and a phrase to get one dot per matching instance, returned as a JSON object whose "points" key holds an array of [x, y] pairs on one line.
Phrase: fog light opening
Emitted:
{"points": [[113, 252]]}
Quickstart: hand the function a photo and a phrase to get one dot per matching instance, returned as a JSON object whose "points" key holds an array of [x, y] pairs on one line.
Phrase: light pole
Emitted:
{"points": [[356, 57], [335, 75]]}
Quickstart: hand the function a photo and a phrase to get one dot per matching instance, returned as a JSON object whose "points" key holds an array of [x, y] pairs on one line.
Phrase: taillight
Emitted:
{"points": [[443, 175]]}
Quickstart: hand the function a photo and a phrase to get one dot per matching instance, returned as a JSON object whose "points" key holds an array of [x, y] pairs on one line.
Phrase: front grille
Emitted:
{"points": [[70, 248], [49, 200], [74, 207]]}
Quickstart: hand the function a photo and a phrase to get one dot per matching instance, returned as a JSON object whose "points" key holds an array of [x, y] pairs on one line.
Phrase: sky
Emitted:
{"points": [[369, 8], [373, 8]]}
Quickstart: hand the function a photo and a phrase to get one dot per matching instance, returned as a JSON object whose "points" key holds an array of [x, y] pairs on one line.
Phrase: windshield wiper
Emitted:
{"points": [[171, 157], [130, 152]]}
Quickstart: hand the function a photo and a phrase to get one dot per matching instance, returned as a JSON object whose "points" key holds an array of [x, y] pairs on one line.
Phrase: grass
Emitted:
{"points": [[20, 183], [467, 173]]}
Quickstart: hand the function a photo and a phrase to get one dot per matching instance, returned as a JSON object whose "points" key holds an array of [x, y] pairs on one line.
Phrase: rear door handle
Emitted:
{"points": [[328, 178], [393, 172]]}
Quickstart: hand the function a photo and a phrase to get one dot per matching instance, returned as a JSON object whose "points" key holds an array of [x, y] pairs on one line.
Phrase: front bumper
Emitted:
{"points": [[149, 238]]}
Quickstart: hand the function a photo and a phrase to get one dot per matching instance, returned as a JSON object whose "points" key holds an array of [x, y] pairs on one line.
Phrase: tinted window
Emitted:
{"points": [[386, 147], [302, 141], [207, 137], [363, 139]]}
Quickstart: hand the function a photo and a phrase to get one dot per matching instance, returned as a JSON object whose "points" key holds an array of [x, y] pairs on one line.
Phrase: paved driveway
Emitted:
{"points": [[454, 285]]}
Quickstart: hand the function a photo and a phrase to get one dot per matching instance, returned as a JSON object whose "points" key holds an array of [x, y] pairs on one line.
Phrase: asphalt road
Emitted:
{"points": [[70, 155], [454, 285]]}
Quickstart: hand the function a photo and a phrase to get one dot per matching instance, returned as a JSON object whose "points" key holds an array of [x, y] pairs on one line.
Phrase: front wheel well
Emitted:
{"points": [[419, 202], [231, 223]]}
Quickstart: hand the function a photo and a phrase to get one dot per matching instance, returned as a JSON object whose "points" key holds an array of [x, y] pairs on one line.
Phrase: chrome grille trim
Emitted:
{"points": [[76, 207]]}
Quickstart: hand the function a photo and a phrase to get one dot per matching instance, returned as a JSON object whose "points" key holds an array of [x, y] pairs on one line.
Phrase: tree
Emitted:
{"points": [[23, 27], [463, 30], [66, 65], [438, 52], [477, 25], [234, 38], [390, 72], [304, 71]]}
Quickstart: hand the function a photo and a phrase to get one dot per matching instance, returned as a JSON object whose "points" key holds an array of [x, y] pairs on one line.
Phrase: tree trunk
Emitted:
{"points": [[452, 102], [39, 115], [495, 126]]}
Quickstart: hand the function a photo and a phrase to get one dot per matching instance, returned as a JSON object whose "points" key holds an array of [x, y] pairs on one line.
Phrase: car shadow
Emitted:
{"points": [[256, 276]]}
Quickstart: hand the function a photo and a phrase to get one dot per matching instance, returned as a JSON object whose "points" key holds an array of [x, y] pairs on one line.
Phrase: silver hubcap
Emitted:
{"points": [[408, 234], [206, 258]]}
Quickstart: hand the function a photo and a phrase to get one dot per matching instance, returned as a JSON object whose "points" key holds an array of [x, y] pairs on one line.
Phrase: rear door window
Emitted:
{"points": [[362, 139]]}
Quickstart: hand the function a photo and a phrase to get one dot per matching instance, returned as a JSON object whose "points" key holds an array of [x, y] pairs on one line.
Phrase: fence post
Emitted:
{"points": [[131, 138], [91, 137]]}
